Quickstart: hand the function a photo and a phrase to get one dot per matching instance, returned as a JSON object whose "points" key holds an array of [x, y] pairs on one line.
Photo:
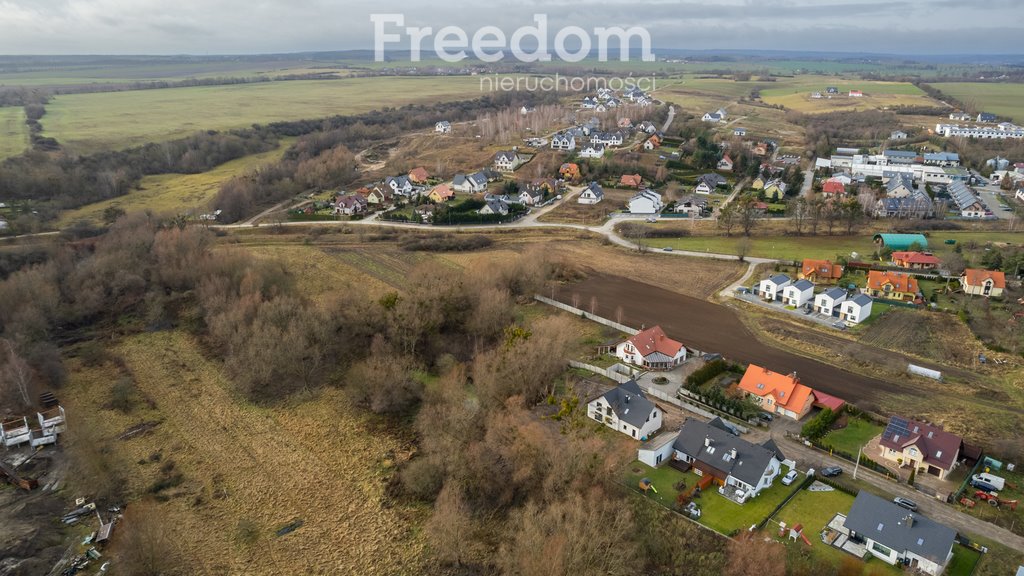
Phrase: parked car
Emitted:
{"points": [[667, 248], [831, 471], [840, 325], [651, 220], [983, 486], [906, 503], [808, 310], [789, 478], [728, 426], [766, 417]]}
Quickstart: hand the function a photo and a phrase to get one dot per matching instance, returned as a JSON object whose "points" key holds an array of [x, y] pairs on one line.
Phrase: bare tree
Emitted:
{"points": [[743, 248], [16, 376], [450, 528], [852, 212], [593, 304], [146, 547], [796, 209], [751, 554], [815, 207], [728, 219], [749, 214]]}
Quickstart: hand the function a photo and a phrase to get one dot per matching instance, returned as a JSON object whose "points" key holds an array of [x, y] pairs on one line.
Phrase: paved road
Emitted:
{"points": [[946, 514], [671, 117], [990, 195], [808, 180]]}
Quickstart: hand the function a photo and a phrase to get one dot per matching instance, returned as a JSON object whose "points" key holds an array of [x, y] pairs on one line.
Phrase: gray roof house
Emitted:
{"points": [[626, 409], [895, 534], [476, 182], [741, 469]]}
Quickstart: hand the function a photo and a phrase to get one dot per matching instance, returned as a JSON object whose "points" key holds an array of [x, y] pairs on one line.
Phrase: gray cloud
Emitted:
{"points": [[254, 26]]}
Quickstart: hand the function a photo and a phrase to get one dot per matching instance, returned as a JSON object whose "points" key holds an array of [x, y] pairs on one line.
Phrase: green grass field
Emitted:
{"points": [[90, 122], [1001, 99], [13, 132], [175, 192], [795, 93], [798, 248], [853, 437]]}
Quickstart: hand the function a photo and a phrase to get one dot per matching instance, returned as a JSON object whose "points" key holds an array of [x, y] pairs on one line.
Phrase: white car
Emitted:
{"points": [[789, 478]]}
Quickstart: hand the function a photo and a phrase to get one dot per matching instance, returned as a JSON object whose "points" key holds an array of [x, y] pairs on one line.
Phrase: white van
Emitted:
{"points": [[996, 482]]}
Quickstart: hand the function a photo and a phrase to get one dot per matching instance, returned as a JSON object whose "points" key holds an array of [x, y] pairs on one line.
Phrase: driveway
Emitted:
{"points": [[991, 196], [778, 307]]}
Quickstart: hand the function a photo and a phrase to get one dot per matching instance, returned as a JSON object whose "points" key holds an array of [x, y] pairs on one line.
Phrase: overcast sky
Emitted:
{"points": [[266, 26]]}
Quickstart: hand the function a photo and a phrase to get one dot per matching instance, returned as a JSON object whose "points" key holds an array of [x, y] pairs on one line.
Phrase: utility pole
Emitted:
{"points": [[856, 465]]}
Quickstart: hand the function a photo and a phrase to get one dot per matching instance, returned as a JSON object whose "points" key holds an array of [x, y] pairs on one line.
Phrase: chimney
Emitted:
{"points": [[732, 453], [909, 520], [707, 441]]}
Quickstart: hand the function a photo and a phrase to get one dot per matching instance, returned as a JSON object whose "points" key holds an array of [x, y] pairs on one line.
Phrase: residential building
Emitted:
{"points": [[891, 286], [983, 282], [692, 205], [607, 138], [399, 185], [531, 195], [712, 117], [986, 117], [967, 202], [1000, 132], [472, 184], [590, 102], [960, 116], [508, 161], [832, 90], [916, 206], [898, 536], [918, 445], [646, 202], [569, 171], [419, 175], [380, 196], [441, 193], [856, 94], [631, 180], [898, 135], [833, 188], [652, 349], [916, 260], [626, 409], [725, 163], [707, 183], [771, 288], [856, 309], [647, 127], [798, 293], [829, 301], [351, 204], [816, 95], [652, 143], [494, 206], [443, 127], [900, 186], [592, 151], [741, 469], [592, 194], [563, 141], [777, 393], [820, 271], [775, 189], [623, 122], [739, 131]]}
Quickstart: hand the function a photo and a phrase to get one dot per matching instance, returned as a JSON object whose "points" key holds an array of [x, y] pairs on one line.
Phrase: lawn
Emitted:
{"points": [[113, 120], [13, 132], [176, 192], [1002, 99], [963, 562], [853, 437], [718, 513], [814, 510]]}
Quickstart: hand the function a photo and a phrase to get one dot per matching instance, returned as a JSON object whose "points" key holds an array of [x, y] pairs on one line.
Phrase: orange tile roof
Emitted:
{"points": [[833, 187], [787, 390], [900, 282], [822, 268], [419, 174], [443, 192], [633, 180], [976, 277], [915, 258], [654, 340]]}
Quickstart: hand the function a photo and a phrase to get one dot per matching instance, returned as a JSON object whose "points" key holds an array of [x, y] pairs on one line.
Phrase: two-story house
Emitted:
{"points": [[926, 447], [771, 288], [828, 302], [891, 285], [652, 349], [898, 536], [777, 393], [626, 409]]}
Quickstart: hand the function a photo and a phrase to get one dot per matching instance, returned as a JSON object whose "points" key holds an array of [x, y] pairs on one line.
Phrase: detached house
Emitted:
{"points": [[926, 447], [591, 194], [891, 286], [594, 151], [856, 309], [915, 260], [626, 409], [828, 302], [563, 141], [898, 536], [820, 271], [741, 469], [443, 127], [419, 175], [471, 184], [494, 206], [442, 193], [900, 186], [631, 180], [798, 294], [646, 202], [569, 171], [652, 143], [833, 188], [399, 185], [350, 204], [771, 288], [652, 349], [775, 189], [707, 183], [777, 393], [725, 163], [983, 282], [507, 161]]}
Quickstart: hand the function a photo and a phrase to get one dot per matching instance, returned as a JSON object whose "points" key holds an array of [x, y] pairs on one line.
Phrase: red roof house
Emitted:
{"points": [[652, 349]]}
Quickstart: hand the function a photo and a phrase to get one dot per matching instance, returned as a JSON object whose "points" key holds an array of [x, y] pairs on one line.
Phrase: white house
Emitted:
{"points": [[626, 409], [771, 288], [531, 196], [591, 194], [564, 141], [739, 131], [898, 135], [590, 102], [740, 469], [856, 309], [494, 206], [443, 127], [607, 138], [399, 185], [828, 302], [712, 117], [707, 183], [898, 536], [508, 161], [652, 349], [646, 202], [592, 151], [471, 184], [799, 293]]}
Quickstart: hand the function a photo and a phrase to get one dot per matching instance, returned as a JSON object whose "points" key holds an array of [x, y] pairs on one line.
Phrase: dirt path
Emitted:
{"points": [[714, 328]]}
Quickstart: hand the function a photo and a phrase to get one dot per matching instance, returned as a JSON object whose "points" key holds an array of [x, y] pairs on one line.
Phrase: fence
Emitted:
{"points": [[704, 402], [865, 461], [586, 315], [613, 372], [690, 407]]}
